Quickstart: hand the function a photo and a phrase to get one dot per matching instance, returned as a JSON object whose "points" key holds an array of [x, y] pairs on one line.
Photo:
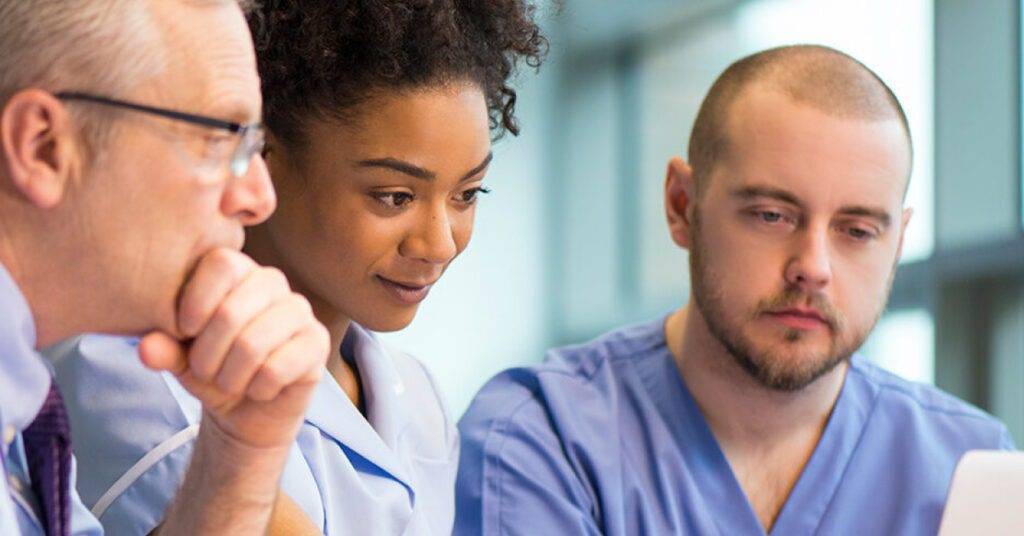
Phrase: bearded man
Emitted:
{"points": [[749, 411]]}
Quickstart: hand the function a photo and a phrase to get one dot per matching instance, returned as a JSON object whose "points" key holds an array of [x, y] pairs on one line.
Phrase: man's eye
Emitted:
{"points": [[859, 234], [218, 145], [769, 216]]}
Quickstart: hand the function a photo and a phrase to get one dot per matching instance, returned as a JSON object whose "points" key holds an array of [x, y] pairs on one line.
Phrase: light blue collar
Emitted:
{"points": [[24, 377], [376, 436]]}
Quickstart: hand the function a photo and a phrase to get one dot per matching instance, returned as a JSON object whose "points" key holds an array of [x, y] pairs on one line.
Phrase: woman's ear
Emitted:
{"points": [[37, 145]]}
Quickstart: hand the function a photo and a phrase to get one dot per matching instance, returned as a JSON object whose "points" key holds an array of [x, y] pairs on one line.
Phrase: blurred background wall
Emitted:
{"points": [[572, 242]]}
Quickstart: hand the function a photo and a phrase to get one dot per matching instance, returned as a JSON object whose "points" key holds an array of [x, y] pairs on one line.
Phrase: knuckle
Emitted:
{"points": [[189, 312], [221, 258], [275, 278], [261, 392], [229, 262], [316, 348], [201, 369], [301, 304], [323, 336], [228, 315], [314, 375], [228, 386], [273, 376], [249, 349]]}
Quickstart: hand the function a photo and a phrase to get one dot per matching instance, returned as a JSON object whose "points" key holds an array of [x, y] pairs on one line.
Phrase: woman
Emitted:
{"points": [[380, 116]]}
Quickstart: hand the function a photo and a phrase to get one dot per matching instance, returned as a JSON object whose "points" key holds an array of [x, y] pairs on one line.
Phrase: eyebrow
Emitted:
{"points": [[413, 170], [234, 110], [881, 216], [754, 192]]}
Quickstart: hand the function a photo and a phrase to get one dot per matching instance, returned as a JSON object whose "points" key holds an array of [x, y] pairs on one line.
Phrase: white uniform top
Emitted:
{"points": [[392, 472]]}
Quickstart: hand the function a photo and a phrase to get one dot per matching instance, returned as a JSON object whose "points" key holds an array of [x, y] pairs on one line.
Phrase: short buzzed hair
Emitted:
{"points": [[818, 76]]}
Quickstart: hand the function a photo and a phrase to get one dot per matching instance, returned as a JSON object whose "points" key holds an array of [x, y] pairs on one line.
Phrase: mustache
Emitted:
{"points": [[794, 297]]}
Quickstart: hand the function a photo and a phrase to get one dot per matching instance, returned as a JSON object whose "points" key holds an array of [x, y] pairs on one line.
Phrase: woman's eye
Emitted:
{"points": [[470, 196], [393, 199]]}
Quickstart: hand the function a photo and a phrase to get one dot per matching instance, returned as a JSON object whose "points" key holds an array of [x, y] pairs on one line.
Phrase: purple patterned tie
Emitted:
{"points": [[48, 449]]}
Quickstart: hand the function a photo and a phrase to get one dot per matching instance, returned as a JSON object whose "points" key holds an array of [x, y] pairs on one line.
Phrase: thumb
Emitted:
{"points": [[159, 351]]}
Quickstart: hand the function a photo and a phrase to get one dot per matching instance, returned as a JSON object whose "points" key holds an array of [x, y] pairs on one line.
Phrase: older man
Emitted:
{"points": [[129, 164], [747, 412]]}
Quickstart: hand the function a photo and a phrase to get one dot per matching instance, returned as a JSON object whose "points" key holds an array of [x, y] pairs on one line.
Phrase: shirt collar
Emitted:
{"points": [[818, 481], [24, 376], [374, 437], [383, 388]]}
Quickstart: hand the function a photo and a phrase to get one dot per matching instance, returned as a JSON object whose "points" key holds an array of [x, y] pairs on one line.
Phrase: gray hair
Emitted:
{"points": [[101, 46]]}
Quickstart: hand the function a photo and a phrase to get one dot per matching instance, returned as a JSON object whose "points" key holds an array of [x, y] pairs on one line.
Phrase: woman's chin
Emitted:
{"points": [[388, 321]]}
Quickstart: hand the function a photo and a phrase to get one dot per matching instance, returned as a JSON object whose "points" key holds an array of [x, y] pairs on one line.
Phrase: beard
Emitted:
{"points": [[774, 366]]}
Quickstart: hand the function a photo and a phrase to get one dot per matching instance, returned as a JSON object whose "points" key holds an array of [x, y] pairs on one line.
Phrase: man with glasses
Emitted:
{"points": [[248, 140], [129, 165]]}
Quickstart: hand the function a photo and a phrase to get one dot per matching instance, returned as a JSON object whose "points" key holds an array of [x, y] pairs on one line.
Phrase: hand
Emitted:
{"points": [[256, 352]]}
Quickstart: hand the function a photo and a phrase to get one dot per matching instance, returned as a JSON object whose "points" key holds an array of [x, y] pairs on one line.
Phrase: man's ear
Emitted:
{"points": [[37, 145], [904, 221], [680, 195]]}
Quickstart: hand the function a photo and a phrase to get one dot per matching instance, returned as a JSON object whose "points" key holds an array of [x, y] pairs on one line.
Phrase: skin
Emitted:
{"points": [[388, 196], [144, 239], [815, 277]]}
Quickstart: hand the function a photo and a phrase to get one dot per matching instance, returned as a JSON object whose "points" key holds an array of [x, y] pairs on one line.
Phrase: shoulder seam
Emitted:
{"points": [[968, 411], [492, 459], [582, 372]]}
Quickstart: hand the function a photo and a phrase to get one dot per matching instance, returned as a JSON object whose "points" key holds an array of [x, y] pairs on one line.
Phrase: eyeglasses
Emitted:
{"points": [[251, 136]]}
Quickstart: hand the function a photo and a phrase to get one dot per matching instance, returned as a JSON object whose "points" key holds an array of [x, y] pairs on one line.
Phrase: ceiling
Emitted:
{"points": [[595, 23]]}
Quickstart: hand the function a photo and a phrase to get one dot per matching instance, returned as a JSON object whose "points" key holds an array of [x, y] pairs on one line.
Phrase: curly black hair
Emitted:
{"points": [[321, 58]]}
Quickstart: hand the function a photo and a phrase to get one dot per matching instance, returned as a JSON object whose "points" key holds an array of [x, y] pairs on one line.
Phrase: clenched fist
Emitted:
{"points": [[252, 353]]}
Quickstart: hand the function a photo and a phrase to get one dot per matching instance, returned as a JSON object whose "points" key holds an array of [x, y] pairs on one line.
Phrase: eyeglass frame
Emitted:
{"points": [[251, 135]]}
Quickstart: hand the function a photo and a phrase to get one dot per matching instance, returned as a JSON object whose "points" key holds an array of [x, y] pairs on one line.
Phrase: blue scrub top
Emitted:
{"points": [[24, 383], [391, 472], [604, 438]]}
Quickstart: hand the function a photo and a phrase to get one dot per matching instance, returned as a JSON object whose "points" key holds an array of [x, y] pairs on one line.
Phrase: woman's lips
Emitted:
{"points": [[406, 294]]}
